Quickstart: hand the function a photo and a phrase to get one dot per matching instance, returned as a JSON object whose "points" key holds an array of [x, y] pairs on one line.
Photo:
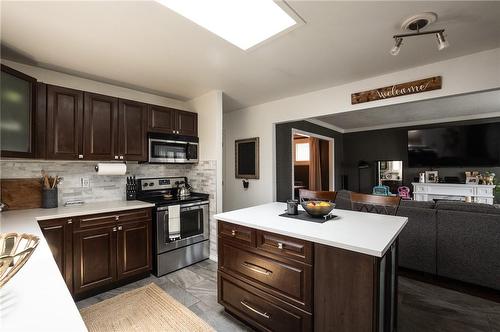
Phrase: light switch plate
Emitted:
{"points": [[85, 182]]}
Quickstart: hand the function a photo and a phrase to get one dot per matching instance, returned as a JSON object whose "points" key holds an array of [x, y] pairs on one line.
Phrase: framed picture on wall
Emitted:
{"points": [[247, 158]]}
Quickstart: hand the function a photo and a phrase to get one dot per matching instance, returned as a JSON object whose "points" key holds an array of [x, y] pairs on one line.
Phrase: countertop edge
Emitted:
{"points": [[361, 250]]}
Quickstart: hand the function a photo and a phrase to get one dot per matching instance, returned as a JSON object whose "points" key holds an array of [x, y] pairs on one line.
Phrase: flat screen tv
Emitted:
{"points": [[455, 146]]}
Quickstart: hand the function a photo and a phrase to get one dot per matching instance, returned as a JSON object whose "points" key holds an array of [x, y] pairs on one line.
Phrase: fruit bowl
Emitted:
{"points": [[317, 209], [15, 250]]}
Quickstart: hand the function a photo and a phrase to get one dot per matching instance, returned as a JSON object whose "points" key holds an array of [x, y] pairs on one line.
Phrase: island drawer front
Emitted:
{"points": [[237, 233], [290, 281], [285, 246], [106, 219], [261, 310]]}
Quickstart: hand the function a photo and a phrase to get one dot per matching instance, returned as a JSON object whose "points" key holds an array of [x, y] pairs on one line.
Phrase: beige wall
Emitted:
{"points": [[475, 72]]}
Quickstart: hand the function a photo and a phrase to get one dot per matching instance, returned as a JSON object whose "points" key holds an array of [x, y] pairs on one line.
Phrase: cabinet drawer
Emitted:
{"points": [[237, 233], [285, 246], [259, 309], [289, 281], [106, 219]]}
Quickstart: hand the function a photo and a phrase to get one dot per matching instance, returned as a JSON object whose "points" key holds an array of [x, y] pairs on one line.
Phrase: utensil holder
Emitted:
{"points": [[49, 198]]}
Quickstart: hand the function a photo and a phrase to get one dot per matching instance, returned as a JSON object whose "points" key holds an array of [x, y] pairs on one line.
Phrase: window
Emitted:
{"points": [[302, 152]]}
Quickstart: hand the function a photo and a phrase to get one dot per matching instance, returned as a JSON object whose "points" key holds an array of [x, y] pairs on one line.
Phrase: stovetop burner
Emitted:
{"points": [[161, 200]]}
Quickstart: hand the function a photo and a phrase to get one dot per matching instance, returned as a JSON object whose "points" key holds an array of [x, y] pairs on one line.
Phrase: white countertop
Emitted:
{"points": [[36, 298], [366, 233]]}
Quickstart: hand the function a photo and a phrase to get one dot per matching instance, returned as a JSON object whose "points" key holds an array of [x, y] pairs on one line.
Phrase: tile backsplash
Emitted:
{"points": [[201, 176]]}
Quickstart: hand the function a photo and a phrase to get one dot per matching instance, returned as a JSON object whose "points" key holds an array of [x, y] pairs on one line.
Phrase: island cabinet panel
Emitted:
{"points": [[286, 279], [100, 127], [132, 130], [238, 234], [258, 308], [59, 236], [285, 246], [64, 122], [279, 283]]}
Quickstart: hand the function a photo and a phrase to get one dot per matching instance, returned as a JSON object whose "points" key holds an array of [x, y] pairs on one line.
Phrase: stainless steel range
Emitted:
{"points": [[181, 224]]}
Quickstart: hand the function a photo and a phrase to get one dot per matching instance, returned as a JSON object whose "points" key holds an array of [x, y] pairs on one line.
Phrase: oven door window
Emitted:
{"points": [[191, 223]]}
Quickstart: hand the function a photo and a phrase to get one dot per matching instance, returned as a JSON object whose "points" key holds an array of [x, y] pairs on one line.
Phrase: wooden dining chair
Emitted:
{"points": [[317, 195], [375, 203]]}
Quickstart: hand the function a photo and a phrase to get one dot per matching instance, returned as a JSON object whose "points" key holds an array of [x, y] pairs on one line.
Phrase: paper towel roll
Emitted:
{"points": [[110, 168]]}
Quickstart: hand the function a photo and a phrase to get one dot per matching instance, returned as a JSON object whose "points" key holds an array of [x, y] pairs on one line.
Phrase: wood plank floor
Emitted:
{"points": [[422, 307]]}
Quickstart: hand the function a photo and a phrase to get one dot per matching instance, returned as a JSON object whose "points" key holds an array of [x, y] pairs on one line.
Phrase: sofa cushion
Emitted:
{"points": [[468, 247], [417, 204], [417, 241], [467, 207]]}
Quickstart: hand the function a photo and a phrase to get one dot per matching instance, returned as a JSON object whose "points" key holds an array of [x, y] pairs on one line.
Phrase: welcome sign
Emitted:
{"points": [[397, 90]]}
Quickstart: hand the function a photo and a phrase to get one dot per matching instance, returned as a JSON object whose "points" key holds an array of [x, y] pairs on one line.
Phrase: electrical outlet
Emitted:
{"points": [[85, 182]]}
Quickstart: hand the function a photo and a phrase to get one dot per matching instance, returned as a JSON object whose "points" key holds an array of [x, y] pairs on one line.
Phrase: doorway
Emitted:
{"points": [[312, 162]]}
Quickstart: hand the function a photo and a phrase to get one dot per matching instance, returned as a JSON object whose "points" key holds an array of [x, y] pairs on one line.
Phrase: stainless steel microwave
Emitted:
{"points": [[172, 149]]}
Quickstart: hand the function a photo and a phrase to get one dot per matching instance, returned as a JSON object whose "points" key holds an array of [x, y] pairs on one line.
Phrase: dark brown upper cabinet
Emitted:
{"points": [[132, 135], [161, 119], [171, 121], [18, 100], [187, 123], [100, 116], [64, 123]]}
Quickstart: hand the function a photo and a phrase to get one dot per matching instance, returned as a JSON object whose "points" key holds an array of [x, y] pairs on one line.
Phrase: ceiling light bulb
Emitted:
{"points": [[397, 46], [442, 42]]}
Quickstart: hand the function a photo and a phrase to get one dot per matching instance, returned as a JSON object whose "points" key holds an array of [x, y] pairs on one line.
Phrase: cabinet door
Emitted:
{"points": [[187, 123], [100, 127], [162, 119], [58, 234], [134, 248], [17, 99], [132, 136], [64, 122], [94, 258]]}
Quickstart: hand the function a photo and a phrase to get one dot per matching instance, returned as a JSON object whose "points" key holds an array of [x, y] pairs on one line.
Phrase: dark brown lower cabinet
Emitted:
{"points": [[59, 236], [134, 249], [101, 251], [95, 258], [280, 283]]}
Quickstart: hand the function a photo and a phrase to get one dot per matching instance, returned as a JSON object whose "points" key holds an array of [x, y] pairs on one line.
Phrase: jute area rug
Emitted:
{"points": [[147, 308]]}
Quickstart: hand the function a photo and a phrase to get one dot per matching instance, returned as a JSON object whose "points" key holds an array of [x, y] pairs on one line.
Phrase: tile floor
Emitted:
{"points": [[422, 307]]}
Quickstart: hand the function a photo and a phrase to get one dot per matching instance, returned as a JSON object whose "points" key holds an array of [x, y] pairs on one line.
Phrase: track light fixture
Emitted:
{"points": [[415, 23]]}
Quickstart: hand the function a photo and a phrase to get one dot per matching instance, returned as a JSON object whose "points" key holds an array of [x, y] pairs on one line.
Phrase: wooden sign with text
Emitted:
{"points": [[397, 90]]}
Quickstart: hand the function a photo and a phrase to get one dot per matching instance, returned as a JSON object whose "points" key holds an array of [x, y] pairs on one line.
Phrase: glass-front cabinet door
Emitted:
{"points": [[16, 113]]}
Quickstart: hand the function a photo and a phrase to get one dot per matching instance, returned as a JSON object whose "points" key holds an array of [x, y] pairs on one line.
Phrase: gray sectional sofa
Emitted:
{"points": [[449, 239]]}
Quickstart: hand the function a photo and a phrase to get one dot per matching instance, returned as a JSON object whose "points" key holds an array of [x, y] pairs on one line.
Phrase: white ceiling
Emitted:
{"points": [[469, 106], [146, 46]]}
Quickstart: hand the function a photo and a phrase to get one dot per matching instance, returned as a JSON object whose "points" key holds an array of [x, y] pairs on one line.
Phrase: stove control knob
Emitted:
{"points": [[144, 184], [151, 184]]}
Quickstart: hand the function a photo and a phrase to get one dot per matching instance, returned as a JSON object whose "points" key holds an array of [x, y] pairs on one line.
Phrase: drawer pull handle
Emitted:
{"points": [[257, 268], [117, 217], [263, 314], [114, 229], [233, 232], [280, 245]]}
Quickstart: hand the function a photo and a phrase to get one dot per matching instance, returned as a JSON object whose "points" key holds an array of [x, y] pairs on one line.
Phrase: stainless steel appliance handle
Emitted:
{"points": [[183, 206], [258, 312], [256, 268], [170, 141]]}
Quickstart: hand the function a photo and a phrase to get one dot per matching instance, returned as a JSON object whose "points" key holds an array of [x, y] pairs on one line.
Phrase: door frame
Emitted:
{"points": [[331, 163]]}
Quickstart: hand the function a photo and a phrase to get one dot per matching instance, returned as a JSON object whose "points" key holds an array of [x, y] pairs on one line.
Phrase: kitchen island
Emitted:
{"points": [[283, 274]]}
